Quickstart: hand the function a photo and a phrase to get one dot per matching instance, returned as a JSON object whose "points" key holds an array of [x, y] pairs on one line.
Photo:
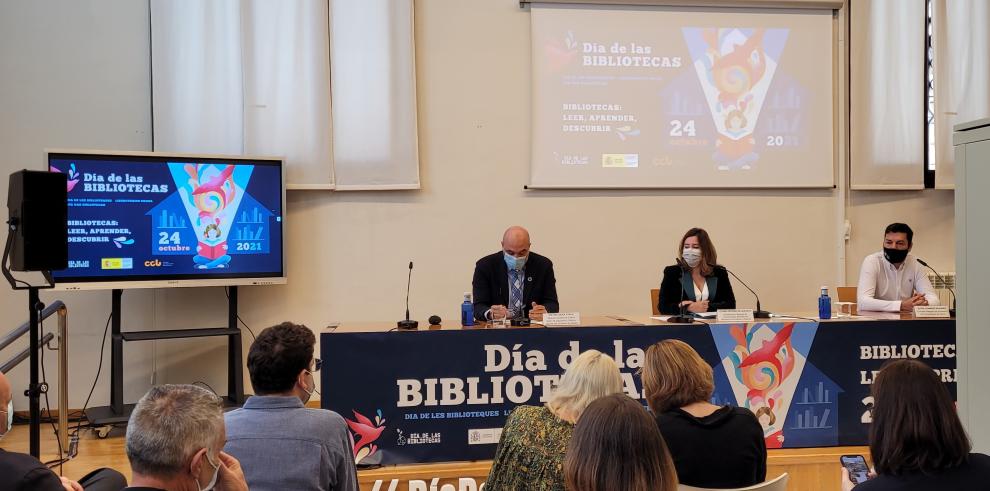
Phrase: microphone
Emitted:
{"points": [[952, 311], [682, 317], [759, 313], [407, 324]]}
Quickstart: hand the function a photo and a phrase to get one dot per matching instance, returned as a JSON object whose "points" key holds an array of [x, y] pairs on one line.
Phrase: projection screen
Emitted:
{"points": [[655, 97]]}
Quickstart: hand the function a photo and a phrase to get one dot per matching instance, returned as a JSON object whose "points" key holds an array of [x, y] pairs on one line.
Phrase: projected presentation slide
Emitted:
{"points": [[150, 218], [677, 98]]}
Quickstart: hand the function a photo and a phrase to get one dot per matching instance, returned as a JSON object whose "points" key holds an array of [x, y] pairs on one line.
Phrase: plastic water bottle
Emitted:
{"points": [[824, 304], [467, 310]]}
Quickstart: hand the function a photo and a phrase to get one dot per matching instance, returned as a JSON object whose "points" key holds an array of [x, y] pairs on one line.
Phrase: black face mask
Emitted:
{"points": [[895, 256]]}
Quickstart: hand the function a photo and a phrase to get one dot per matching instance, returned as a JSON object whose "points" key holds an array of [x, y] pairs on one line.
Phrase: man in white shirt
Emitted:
{"points": [[892, 280]]}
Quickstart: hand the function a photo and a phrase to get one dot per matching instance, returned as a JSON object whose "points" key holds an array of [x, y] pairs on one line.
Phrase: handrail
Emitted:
{"points": [[63, 361], [24, 354], [21, 330]]}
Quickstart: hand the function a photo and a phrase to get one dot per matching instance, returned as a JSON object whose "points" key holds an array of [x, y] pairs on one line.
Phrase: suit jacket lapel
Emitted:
{"points": [[688, 285], [712, 282], [502, 271]]}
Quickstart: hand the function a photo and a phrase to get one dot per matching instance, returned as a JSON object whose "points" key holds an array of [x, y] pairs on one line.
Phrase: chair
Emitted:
{"points": [[654, 300], [846, 293], [778, 484]]}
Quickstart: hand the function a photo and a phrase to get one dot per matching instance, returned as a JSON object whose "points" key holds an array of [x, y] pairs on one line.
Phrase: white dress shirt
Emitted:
{"points": [[882, 286], [701, 294]]}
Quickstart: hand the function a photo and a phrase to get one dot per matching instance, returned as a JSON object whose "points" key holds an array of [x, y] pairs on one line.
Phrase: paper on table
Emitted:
{"points": [[706, 315], [661, 317]]}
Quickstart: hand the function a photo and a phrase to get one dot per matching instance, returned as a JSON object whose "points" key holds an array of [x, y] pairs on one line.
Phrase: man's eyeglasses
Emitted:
{"points": [[317, 364]]}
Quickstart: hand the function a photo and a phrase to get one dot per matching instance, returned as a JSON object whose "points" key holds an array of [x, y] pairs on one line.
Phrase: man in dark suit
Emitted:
{"points": [[514, 282], [22, 471]]}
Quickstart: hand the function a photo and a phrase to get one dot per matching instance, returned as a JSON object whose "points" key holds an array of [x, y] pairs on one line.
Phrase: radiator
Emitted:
{"points": [[942, 288]]}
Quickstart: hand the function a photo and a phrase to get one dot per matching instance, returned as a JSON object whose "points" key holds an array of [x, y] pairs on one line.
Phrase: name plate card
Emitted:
{"points": [[734, 315], [562, 319], [931, 311]]}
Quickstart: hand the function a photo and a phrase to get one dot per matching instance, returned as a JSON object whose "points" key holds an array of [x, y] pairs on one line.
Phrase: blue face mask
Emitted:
{"points": [[513, 262]]}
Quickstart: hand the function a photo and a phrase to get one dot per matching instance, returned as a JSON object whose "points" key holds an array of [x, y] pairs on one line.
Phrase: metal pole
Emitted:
{"points": [[116, 356], [63, 378], [34, 390]]}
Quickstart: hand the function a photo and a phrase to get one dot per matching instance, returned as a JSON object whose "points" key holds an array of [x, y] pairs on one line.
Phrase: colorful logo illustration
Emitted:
{"points": [[765, 369], [366, 433], [71, 174], [735, 67], [626, 132], [561, 52], [122, 241], [211, 194]]}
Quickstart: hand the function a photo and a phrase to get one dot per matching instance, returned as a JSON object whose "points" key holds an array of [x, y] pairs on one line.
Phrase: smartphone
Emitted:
{"points": [[856, 465]]}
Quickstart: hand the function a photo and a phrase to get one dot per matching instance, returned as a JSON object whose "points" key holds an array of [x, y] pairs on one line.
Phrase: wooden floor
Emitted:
{"points": [[809, 469]]}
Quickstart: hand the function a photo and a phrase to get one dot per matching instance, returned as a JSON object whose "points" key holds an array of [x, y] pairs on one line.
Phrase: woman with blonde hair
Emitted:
{"points": [[530, 453], [617, 445], [712, 446]]}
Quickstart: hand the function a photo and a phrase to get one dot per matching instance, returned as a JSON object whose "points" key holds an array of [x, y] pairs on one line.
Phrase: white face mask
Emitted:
{"points": [[309, 393], [692, 257], [10, 418], [216, 474]]}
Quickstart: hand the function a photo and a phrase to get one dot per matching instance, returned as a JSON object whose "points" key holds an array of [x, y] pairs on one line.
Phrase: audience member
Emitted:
{"points": [[616, 445], [283, 444], [916, 439], [530, 453], [712, 446], [22, 471], [175, 439]]}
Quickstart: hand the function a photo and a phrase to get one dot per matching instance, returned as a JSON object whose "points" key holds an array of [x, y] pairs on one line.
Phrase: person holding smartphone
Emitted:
{"points": [[916, 439]]}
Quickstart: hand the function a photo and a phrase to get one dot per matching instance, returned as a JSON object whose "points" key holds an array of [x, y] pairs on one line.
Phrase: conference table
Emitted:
{"points": [[426, 407]]}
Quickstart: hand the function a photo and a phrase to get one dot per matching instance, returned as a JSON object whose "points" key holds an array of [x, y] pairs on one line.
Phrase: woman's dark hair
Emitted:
{"points": [[915, 426], [278, 355], [617, 445], [708, 255]]}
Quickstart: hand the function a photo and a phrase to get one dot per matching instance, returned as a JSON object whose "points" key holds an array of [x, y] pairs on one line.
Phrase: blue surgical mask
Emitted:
{"points": [[513, 262]]}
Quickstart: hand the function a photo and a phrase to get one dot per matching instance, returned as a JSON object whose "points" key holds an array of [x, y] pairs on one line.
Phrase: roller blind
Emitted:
{"points": [[373, 78], [887, 112], [962, 75], [245, 77]]}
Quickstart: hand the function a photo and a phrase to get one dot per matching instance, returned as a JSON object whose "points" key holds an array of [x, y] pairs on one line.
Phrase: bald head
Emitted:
{"points": [[515, 241]]}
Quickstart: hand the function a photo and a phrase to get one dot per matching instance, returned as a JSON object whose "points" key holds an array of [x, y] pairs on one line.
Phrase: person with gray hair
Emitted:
{"points": [[175, 438]]}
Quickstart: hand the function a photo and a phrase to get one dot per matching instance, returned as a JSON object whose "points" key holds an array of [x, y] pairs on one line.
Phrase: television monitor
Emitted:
{"points": [[148, 219]]}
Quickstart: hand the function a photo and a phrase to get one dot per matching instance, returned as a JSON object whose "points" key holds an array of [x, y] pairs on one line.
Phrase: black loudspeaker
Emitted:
{"points": [[37, 204]]}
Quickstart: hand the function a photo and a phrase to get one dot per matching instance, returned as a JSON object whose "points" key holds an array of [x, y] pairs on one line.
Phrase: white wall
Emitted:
{"points": [[348, 251], [74, 75]]}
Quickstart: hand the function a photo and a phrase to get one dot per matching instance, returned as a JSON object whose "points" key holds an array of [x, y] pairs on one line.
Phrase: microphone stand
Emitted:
{"points": [[408, 325], [759, 313], [682, 317], [952, 311]]}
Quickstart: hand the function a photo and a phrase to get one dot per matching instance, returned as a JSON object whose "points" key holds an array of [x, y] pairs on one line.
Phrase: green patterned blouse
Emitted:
{"points": [[530, 454]]}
